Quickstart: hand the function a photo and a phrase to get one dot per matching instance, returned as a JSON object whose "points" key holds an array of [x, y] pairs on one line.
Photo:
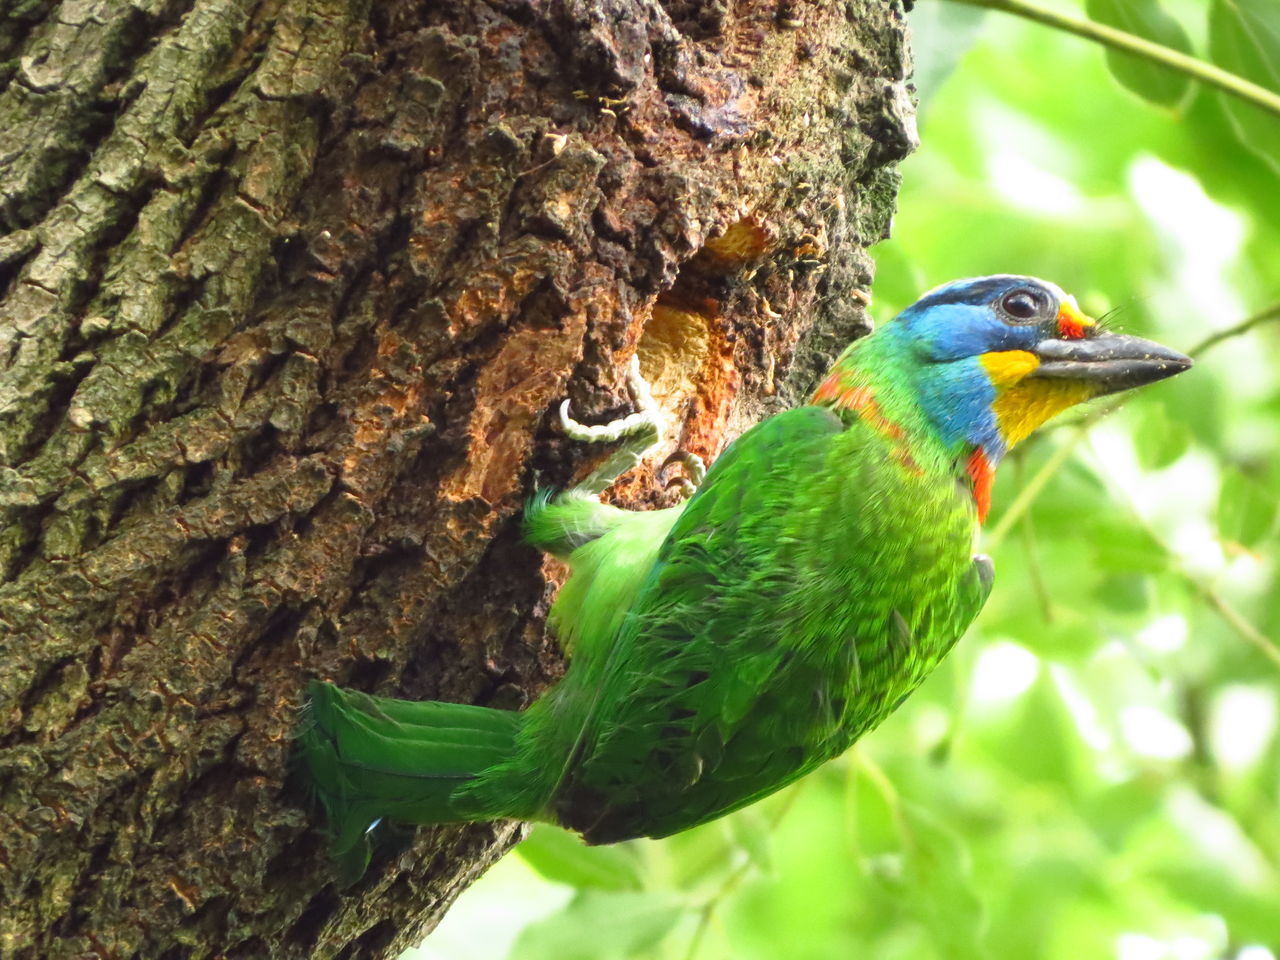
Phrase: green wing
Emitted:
{"points": [[975, 589], [648, 599], [724, 649], [697, 655]]}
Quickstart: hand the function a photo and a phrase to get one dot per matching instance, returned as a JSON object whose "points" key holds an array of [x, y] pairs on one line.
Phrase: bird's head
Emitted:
{"points": [[988, 360]]}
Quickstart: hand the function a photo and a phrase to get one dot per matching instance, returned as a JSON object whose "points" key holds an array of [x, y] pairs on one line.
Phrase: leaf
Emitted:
{"points": [[941, 34], [753, 833], [1146, 19], [701, 856], [562, 858], [601, 925], [1120, 809], [1246, 510], [1075, 642], [1121, 546], [1159, 439], [939, 880], [1042, 745], [1125, 592], [1244, 37], [1077, 469], [1251, 915]]}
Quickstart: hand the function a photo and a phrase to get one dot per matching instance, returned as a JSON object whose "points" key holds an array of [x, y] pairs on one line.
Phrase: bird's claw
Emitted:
{"points": [[644, 420], [641, 430], [695, 470]]}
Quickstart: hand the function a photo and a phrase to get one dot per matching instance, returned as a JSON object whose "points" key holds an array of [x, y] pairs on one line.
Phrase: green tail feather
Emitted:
{"points": [[370, 758]]}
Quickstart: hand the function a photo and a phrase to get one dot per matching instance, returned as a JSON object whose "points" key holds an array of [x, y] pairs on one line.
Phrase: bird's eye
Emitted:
{"points": [[1020, 305]]}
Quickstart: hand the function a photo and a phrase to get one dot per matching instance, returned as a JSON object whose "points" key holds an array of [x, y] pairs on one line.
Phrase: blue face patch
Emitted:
{"points": [[953, 331], [970, 317], [957, 397]]}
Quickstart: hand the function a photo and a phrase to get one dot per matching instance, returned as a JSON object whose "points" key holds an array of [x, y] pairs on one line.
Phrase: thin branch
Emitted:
{"points": [[1027, 494], [1266, 315], [707, 911], [1125, 42], [1029, 545], [888, 792], [1236, 620]]}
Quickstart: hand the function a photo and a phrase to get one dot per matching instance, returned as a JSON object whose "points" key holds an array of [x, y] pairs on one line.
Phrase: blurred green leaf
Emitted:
{"points": [[1069, 638], [1040, 743], [941, 885], [1249, 915], [1146, 19], [941, 34], [1246, 510], [1079, 470], [1124, 592], [1159, 439], [600, 925], [753, 833], [701, 857], [1120, 809], [563, 858], [1244, 37], [1121, 546]]}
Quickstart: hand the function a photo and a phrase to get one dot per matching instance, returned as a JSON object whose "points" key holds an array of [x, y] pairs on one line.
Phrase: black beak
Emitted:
{"points": [[1109, 361]]}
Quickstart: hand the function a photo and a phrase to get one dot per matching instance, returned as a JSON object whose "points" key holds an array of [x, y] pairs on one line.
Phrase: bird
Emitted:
{"points": [[725, 647]]}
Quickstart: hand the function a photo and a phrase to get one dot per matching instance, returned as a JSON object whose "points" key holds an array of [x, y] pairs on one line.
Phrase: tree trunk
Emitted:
{"points": [[289, 289]]}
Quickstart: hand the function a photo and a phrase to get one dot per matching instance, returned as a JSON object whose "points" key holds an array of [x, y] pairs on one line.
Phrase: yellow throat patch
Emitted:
{"points": [[1022, 405]]}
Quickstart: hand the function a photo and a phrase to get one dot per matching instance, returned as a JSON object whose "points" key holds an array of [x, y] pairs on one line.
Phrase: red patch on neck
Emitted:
{"points": [[837, 392], [979, 470]]}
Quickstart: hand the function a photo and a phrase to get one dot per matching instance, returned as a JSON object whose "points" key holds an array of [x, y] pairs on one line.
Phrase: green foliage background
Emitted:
{"points": [[1095, 771]]}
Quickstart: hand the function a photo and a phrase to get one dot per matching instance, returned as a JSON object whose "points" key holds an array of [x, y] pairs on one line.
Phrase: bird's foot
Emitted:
{"points": [[641, 430], [695, 470], [644, 424]]}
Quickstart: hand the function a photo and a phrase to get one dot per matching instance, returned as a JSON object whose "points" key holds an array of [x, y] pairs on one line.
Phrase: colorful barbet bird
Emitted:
{"points": [[725, 647]]}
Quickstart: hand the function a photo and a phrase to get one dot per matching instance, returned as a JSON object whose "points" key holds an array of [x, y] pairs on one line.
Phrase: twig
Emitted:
{"points": [[1028, 494], [1033, 555], [1265, 315], [1264, 644], [1125, 42], [708, 909], [1235, 620]]}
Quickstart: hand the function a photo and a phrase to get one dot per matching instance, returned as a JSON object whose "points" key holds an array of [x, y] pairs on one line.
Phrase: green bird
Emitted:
{"points": [[725, 647]]}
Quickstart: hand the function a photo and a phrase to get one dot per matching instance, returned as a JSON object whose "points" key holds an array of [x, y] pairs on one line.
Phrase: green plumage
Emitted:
{"points": [[780, 618], [723, 648], [829, 575]]}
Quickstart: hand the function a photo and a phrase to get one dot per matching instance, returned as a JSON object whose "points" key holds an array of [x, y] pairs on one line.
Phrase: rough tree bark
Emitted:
{"points": [[289, 288]]}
